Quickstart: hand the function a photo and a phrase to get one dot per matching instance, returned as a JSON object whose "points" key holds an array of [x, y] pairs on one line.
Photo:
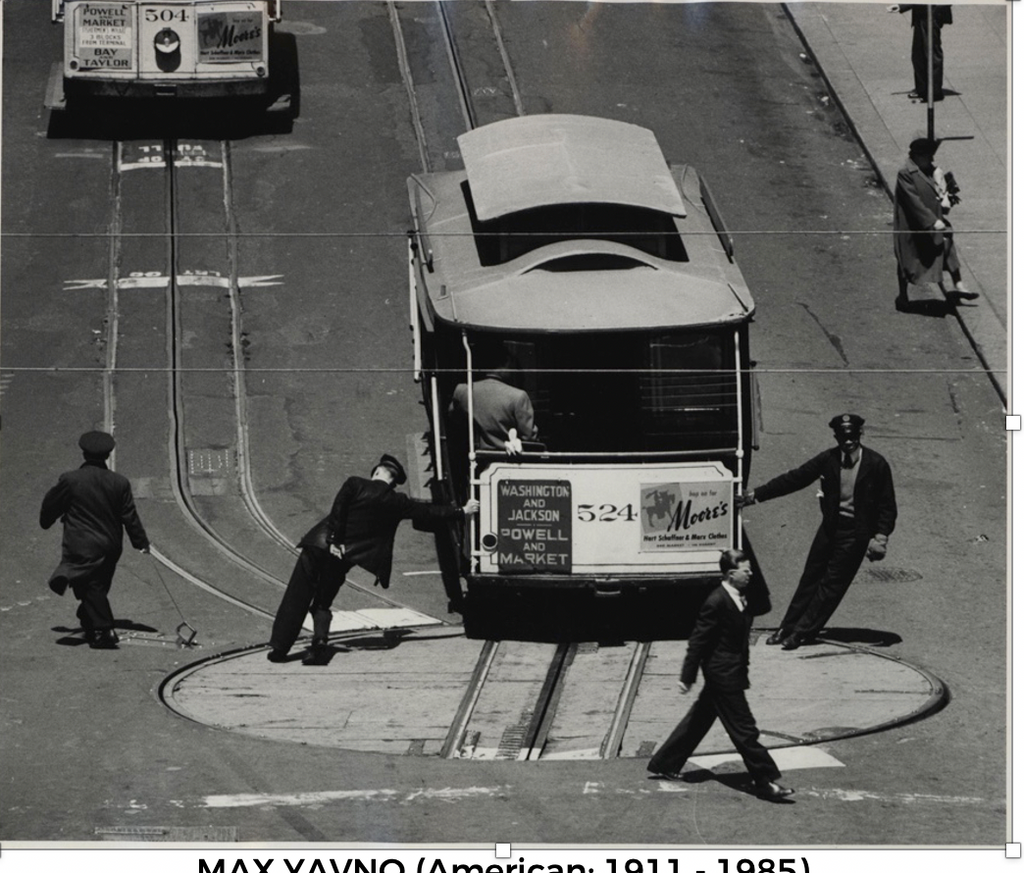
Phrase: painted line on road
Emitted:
{"points": [[306, 798], [852, 795], [136, 281], [786, 758], [660, 788]]}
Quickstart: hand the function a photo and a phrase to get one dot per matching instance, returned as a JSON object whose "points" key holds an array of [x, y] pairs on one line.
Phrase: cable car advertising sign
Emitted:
{"points": [[534, 526], [230, 36], [615, 518], [104, 36], [681, 516]]}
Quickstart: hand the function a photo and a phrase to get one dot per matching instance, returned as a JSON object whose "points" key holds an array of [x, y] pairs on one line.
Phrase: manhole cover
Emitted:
{"points": [[892, 574]]}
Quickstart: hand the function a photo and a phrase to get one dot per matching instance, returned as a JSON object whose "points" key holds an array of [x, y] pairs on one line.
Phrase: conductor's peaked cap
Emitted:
{"points": [[847, 423], [96, 442], [391, 463]]}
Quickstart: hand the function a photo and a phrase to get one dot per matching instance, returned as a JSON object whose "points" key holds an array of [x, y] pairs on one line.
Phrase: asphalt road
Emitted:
{"points": [[86, 745]]}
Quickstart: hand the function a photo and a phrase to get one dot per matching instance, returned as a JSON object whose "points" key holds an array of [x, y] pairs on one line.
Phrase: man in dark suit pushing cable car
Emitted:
{"points": [[858, 507], [359, 531]]}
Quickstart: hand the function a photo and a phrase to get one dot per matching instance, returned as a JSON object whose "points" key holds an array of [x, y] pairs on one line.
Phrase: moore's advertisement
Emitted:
{"points": [[685, 516], [230, 36]]}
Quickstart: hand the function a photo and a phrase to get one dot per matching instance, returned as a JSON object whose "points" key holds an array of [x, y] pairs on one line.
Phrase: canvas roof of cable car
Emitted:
{"points": [[542, 160], [572, 223]]}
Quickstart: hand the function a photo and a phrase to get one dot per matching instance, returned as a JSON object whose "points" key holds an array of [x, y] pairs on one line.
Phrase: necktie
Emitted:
{"points": [[743, 602], [847, 462]]}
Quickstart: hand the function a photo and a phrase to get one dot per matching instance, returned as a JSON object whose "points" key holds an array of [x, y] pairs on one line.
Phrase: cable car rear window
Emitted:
{"points": [[631, 392]]}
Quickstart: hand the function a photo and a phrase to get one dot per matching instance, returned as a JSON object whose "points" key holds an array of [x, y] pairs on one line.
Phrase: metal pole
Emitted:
{"points": [[472, 445], [931, 72]]}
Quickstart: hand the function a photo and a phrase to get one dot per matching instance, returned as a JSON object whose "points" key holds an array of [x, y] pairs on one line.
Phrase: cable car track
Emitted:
{"points": [[532, 709], [178, 464], [524, 731]]}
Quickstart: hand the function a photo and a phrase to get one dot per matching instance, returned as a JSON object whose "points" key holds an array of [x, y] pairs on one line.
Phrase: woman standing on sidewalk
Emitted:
{"points": [[922, 238]]}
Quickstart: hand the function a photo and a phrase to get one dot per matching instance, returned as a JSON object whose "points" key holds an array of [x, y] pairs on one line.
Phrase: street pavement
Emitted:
{"points": [[181, 760], [868, 70]]}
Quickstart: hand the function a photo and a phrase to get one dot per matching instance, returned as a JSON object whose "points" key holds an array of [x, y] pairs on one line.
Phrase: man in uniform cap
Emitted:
{"points": [[95, 505], [359, 531], [858, 508], [922, 235]]}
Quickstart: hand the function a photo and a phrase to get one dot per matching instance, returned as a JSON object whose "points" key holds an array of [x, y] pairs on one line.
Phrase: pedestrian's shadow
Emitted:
{"points": [[862, 636], [736, 781], [388, 639], [928, 307], [75, 636]]}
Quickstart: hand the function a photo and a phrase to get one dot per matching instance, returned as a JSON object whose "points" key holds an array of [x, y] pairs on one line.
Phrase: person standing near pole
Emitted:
{"points": [[720, 647], [96, 506], [922, 235], [941, 15]]}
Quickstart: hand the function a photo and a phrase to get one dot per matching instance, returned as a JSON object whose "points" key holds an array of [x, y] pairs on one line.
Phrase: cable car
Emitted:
{"points": [[603, 278], [174, 48]]}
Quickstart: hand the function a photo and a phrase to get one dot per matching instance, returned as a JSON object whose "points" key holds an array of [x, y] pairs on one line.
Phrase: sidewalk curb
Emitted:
{"points": [[871, 126]]}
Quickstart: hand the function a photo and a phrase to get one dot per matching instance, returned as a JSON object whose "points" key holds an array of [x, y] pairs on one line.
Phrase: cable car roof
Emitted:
{"points": [[651, 296], [542, 160]]}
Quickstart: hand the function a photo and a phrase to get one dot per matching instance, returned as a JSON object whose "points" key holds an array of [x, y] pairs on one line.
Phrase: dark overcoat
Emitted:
{"points": [[364, 519], [921, 256], [96, 505], [874, 497], [719, 644]]}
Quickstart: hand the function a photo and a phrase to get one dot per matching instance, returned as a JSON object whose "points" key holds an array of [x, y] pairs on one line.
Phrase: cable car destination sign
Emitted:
{"points": [[104, 36], [534, 526]]}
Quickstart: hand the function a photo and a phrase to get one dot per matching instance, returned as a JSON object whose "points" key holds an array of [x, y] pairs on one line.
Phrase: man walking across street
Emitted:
{"points": [[720, 646], [359, 531], [858, 507], [95, 505]]}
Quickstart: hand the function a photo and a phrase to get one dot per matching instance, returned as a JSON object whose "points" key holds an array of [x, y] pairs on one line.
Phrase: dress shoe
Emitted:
{"points": [[903, 305], [793, 641], [962, 293], [277, 656], [318, 654], [776, 637], [673, 777], [103, 639], [771, 790]]}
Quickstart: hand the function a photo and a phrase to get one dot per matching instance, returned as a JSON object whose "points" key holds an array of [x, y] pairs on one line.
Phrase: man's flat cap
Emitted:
{"points": [[96, 442], [391, 463], [847, 423], [924, 146]]}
